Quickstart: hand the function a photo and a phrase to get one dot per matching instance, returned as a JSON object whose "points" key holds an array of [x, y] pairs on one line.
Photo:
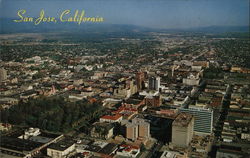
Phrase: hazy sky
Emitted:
{"points": [[149, 13]]}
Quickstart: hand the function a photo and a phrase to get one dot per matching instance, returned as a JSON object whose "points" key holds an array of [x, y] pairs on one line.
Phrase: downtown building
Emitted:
{"points": [[203, 119], [3, 74], [140, 78], [154, 83], [137, 129], [182, 130]]}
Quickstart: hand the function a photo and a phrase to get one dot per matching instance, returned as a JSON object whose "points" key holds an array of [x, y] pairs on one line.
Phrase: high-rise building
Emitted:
{"points": [[154, 83], [182, 130], [3, 74], [203, 119], [138, 128], [131, 131], [140, 77], [143, 127], [153, 100]]}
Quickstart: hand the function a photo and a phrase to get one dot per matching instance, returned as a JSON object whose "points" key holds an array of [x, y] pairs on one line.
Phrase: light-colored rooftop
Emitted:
{"points": [[183, 119]]}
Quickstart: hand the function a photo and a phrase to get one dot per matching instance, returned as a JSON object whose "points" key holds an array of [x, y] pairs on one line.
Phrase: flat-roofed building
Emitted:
{"points": [[173, 154], [182, 130], [143, 127], [203, 119], [111, 118], [140, 77], [131, 131], [128, 151], [153, 100], [154, 83], [3, 74], [102, 130], [138, 128], [61, 148], [28, 144]]}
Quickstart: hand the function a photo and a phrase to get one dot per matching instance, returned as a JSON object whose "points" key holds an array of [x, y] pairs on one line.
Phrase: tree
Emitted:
{"points": [[53, 113]]}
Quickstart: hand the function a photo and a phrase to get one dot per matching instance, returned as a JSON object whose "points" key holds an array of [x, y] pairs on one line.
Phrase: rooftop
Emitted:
{"points": [[183, 119], [103, 125], [133, 101], [109, 117], [62, 144], [108, 149], [17, 144]]}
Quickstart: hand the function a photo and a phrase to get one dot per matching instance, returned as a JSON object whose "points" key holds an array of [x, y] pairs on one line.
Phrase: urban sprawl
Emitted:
{"points": [[143, 94]]}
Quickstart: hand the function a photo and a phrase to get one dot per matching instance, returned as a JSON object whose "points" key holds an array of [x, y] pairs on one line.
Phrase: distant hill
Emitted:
{"points": [[220, 29], [8, 26]]}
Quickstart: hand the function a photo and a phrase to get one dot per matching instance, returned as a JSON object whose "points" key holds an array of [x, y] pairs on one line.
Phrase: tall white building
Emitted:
{"points": [[203, 122], [182, 130]]}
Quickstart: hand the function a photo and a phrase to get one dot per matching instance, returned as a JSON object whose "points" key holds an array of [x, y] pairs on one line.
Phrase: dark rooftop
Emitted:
{"points": [[62, 144], [108, 149], [133, 101], [17, 144]]}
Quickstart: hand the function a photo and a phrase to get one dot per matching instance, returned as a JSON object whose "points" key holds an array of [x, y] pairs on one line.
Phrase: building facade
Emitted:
{"points": [[140, 77], [154, 83], [3, 74], [138, 128], [143, 127], [203, 119], [153, 100], [182, 130], [131, 131]]}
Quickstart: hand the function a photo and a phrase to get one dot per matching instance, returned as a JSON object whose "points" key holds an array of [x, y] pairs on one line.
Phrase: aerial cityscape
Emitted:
{"points": [[124, 90]]}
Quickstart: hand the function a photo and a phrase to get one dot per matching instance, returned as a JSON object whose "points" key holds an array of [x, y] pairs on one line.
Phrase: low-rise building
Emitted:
{"points": [[27, 144], [111, 118], [191, 80], [102, 130], [128, 151], [61, 148], [172, 154]]}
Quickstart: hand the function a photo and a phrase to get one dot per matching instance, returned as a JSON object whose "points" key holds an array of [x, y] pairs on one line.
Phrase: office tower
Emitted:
{"points": [[3, 74], [153, 100], [154, 83], [140, 77], [182, 130], [203, 122], [138, 128], [143, 127], [131, 131]]}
